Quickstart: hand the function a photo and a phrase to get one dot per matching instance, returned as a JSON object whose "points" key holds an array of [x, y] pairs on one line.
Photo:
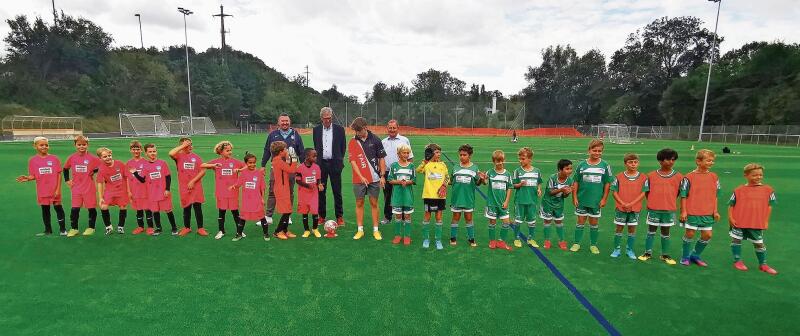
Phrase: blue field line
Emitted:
{"points": [[578, 295]]}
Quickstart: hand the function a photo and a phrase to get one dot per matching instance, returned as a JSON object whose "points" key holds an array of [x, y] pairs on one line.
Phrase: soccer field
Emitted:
{"points": [[126, 284]]}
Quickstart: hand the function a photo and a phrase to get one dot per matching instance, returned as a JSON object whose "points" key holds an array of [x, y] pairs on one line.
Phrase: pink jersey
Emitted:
{"points": [[225, 176], [45, 169], [137, 189], [81, 168], [188, 168], [155, 173], [310, 176], [115, 179], [252, 184]]}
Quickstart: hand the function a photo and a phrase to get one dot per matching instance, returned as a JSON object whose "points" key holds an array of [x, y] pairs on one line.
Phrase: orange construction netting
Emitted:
{"points": [[533, 132]]}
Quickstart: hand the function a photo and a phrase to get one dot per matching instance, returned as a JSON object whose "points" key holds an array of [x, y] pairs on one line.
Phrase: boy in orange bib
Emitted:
{"points": [[748, 214]]}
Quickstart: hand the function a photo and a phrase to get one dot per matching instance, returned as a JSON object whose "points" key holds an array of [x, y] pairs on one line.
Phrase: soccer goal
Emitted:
{"points": [[614, 133], [200, 125], [142, 125], [24, 128]]}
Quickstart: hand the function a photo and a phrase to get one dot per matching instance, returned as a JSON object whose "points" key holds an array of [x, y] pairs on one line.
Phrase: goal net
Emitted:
{"points": [[614, 133], [200, 125], [24, 128], [142, 125]]}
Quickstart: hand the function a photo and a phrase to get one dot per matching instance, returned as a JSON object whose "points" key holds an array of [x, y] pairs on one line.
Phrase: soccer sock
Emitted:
{"points": [[187, 215], [60, 217], [46, 218], [157, 219], [426, 230], [504, 232], [665, 244], [437, 233], [123, 214], [221, 220], [629, 244], [453, 229], [547, 231], [140, 218], [736, 250], [408, 228], [687, 247], [92, 217], [240, 227], [648, 242], [560, 231], [470, 230], [171, 218], [106, 217], [198, 214], [74, 214], [305, 222], [617, 240], [314, 221], [761, 254], [594, 232], [515, 231], [578, 233], [285, 222], [398, 227], [531, 231], [235, 215], [149, 215], [699, 247], [265, 226], [492, 231]]}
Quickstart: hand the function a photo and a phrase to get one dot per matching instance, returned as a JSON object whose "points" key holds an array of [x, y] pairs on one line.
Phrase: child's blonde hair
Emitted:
{"points": [[751, 167], [527, 151], [277, 147], [629, 156], [39, 138], [80, 138], [703, 153], [100, 151], [596, 143], [498, 156], [219, 147], [403, 148]]}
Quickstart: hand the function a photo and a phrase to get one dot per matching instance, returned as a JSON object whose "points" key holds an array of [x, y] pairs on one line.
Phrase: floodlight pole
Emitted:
{"points": [[186, 12], [710, 64], [141, 38]]}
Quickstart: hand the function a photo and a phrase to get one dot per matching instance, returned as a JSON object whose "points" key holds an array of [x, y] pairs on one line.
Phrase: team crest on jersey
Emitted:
{"points": [[193, 159], [255, 178], [85, 161], [230, 164], [49, 163], [158, 167]]}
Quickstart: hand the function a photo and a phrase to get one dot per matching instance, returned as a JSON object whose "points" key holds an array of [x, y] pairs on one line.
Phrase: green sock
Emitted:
{"points": [[547, 232], [699, 247], [578, 233], [408, 228], [736, 250], [560, 231], [594, 232], [761, 254], [617, 240], [531, 232], [492, 231], [470, 230], [687, 247], [648, 242], [398, 227], [437, 233], [665, 244], [426, 230], [504, 232], [453, 230], [631, 238], [515, 230]]}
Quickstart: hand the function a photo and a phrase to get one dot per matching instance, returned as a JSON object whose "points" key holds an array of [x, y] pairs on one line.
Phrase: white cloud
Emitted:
{"points": [[355, 43]]}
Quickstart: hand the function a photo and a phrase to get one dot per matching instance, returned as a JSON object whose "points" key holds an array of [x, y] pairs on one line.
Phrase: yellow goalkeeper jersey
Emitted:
{"points": [[436, 175]]}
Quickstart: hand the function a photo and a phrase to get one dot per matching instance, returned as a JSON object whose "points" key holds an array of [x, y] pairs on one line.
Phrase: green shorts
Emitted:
{"points": [[402, 210], [461, 209], [753, 235], [496, 213], [549, 214], [660, 218], [525, 213], [626, 218], [583, 211], [700, 223]]}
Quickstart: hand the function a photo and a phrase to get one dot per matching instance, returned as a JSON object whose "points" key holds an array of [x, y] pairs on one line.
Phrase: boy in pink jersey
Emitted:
{"points": [[190, 186], [137, 192], [307, 178], [112, 185], [226, 171], [79, 170], [45, 169], [155, 174], [251, 182]]}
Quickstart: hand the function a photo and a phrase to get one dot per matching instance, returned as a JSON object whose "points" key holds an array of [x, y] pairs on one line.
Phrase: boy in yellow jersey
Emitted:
{"points": [[434, 192]]}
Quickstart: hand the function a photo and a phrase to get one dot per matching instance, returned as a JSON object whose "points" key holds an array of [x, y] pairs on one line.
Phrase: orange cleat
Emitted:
{"points": [[137, 230], [339, 221], [547, 245], [407, 241], [281, 236], [502, 245], [739, 265], [492, 244], [184, 232], [202, 232], [397, 240], [290, 234], [150, 231]]}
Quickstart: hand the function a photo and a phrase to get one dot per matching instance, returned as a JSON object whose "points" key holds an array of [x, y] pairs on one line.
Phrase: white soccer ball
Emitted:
{"points": [[330, 225]]}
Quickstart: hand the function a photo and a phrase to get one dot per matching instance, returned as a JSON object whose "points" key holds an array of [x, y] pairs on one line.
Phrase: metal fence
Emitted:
{"points": [[787, 135]]}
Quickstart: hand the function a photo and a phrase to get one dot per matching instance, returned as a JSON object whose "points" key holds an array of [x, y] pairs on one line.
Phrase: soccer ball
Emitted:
{"points": [[330, 225]]}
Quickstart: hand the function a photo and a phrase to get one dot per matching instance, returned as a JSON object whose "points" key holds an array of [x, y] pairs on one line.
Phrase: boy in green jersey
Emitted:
{"points": [[499, 182], [464, 179], [402, 176], [528, 182], [591, 183], [559, 186]]}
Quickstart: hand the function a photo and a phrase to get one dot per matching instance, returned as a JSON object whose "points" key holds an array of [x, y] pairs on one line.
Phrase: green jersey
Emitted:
{"points": [[556, 201], [528, 193], [402, 196], [592, 180], [464, 180], [499, 184]]}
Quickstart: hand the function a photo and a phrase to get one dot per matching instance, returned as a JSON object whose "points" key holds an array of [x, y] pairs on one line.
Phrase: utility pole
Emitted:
{"points": [[141, 39], [222, 30], [307, 78]]}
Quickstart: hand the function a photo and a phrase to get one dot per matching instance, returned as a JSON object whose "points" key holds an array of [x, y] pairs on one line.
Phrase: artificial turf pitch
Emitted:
{"points": [[125, 284]]}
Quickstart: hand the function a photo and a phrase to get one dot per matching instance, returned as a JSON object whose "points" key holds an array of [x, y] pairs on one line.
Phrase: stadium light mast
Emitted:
{"points": [[186, 12], [141, 39], [710, 64]]}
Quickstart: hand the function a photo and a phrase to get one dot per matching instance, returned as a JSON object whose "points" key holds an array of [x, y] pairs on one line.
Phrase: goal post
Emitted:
{"points": [[200, 125], [142, 125], [614, 133]]}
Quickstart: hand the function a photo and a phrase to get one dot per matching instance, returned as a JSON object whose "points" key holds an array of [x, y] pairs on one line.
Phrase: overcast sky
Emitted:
{"points": [[354, 44]]}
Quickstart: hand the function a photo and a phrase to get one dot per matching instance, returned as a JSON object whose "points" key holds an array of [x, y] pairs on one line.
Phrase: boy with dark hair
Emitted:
{"points": [[559, 186], [628, 190], [662, 189]]}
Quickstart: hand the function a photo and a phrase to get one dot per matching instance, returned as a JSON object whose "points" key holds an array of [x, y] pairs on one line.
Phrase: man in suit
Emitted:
{"points": [[329, 141], [294, 144]]}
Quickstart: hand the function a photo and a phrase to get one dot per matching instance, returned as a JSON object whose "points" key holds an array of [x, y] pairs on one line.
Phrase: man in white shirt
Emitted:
{"points": [[329, 141], [390, 144]]}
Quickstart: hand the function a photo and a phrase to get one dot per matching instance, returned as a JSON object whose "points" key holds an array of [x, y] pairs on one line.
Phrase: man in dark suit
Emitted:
{"points": [[329, 141]]}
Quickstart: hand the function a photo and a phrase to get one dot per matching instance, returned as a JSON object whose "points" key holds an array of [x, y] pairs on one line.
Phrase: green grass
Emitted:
{"points": [[125, 284]]}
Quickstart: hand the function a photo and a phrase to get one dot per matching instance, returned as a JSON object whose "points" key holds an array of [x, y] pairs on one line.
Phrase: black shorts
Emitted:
{"points": [[433, 204]]}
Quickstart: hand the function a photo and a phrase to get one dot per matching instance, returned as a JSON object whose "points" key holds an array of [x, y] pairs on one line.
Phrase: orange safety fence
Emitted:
{"points": [[407, 130]]}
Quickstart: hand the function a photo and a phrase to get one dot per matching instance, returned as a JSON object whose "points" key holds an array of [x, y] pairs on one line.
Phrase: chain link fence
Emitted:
{"points": [[787, 135], [508, 114]]}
